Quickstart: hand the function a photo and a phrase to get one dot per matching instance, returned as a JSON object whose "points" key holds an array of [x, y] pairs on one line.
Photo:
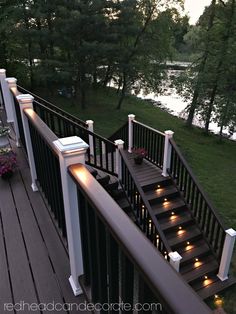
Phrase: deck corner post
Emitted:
{"points": [[119, 145], [167, 153], [72, 150], [227, 254], [90, 124], [6, 95], [12, 85], [175, 259], [131, 118], [26, 101]]}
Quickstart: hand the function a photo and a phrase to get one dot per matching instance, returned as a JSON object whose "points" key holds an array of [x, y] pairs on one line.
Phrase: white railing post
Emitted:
{"points": [[6, 94], [131, 117], [72, 150], [119, 145], [175, 259], [90, 125], [167, 152], [11, 81], [227, 254], [26, 101]]}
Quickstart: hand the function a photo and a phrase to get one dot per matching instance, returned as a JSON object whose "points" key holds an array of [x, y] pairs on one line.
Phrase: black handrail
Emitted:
{"points": [[120, 263], [47, 166], [199, 203], [142, 209], [40, 101], [151, 140]]}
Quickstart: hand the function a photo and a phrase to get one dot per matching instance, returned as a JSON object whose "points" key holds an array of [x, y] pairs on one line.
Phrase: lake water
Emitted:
{"points": [[171, 101]]}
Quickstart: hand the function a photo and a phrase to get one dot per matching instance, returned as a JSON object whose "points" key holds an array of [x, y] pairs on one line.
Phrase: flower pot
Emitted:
{"points": [[3, 141], [138, 160], [7, 175]]}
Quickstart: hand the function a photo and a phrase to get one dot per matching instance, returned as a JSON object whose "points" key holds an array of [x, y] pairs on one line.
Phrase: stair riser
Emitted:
{"points": [[181, 243], [168, 212], [154, 186], [182, 224], [191, 260], [161, 199]]}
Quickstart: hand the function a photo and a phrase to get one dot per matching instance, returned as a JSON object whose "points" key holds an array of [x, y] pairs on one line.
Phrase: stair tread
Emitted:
{"points": [[213, 288], [171, 205], [162, 192], [209, 265], [123, 203], [189, 233], [171, 222], [196, 251]]}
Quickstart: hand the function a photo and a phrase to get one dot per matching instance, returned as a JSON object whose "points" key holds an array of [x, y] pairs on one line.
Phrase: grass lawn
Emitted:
{"points": [[213, 161]]}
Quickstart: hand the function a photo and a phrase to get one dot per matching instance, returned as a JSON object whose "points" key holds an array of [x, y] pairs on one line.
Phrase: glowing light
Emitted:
{"points": [[172, 213], [181, 231], [218, 301], [197, 263], [165, 199], [189, 247], [188, 243], [157, 240], [205, 277], [207, 281]]}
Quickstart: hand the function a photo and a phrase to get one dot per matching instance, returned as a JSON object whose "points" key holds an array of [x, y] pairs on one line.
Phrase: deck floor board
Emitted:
{"points": [[34, 263]]}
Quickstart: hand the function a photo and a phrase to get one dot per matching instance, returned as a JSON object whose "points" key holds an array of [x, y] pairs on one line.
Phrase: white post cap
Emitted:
{"points": [[25, 98], [169, 133], [175, 257], [231, 232], [11, 80], [70, 144], [89, 122], [2, 71], [119, 142], [131, 116]]}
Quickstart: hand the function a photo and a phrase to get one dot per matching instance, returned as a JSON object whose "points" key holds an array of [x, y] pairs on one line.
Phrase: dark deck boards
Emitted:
{"points": [[34, 263]]}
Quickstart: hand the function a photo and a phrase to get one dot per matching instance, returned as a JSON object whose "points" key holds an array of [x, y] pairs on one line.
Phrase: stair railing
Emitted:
{"points": [[120, 263], [197, 200], [141, 208]]}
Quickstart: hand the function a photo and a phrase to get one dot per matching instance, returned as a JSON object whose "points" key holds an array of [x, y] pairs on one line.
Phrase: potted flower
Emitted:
{"points": [[139, 154], [4, 131], [7, 162]]}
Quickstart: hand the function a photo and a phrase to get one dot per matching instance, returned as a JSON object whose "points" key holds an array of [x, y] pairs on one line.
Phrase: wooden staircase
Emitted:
{"points": [[199, 265]]}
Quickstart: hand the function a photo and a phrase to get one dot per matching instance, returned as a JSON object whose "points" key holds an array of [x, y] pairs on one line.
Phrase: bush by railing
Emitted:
{"points": [[151, 140], [120, 263], [142, 209], [200, 206]]}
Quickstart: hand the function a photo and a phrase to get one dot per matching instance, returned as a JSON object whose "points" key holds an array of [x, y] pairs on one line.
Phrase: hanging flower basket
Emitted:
{"points": [[4, 132], [7, 163], [139, 154]]}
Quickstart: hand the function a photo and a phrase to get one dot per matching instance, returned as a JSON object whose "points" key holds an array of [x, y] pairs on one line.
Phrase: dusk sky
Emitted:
{"points": [[195, 8]]}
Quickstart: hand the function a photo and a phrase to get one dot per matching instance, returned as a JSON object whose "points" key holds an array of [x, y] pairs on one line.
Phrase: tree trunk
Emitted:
{"points": [[123, 91], [196, 93], [223, 54]]}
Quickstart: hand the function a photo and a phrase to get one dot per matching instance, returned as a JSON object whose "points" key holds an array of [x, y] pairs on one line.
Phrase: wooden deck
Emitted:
{"points": [[34, 264]]}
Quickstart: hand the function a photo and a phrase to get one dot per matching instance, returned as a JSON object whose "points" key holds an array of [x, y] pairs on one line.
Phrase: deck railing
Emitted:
{"points": [[39, 101], [151, 140], [198, 202], [120, 263], [47, 165], [142, 209], [101, 153]]}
